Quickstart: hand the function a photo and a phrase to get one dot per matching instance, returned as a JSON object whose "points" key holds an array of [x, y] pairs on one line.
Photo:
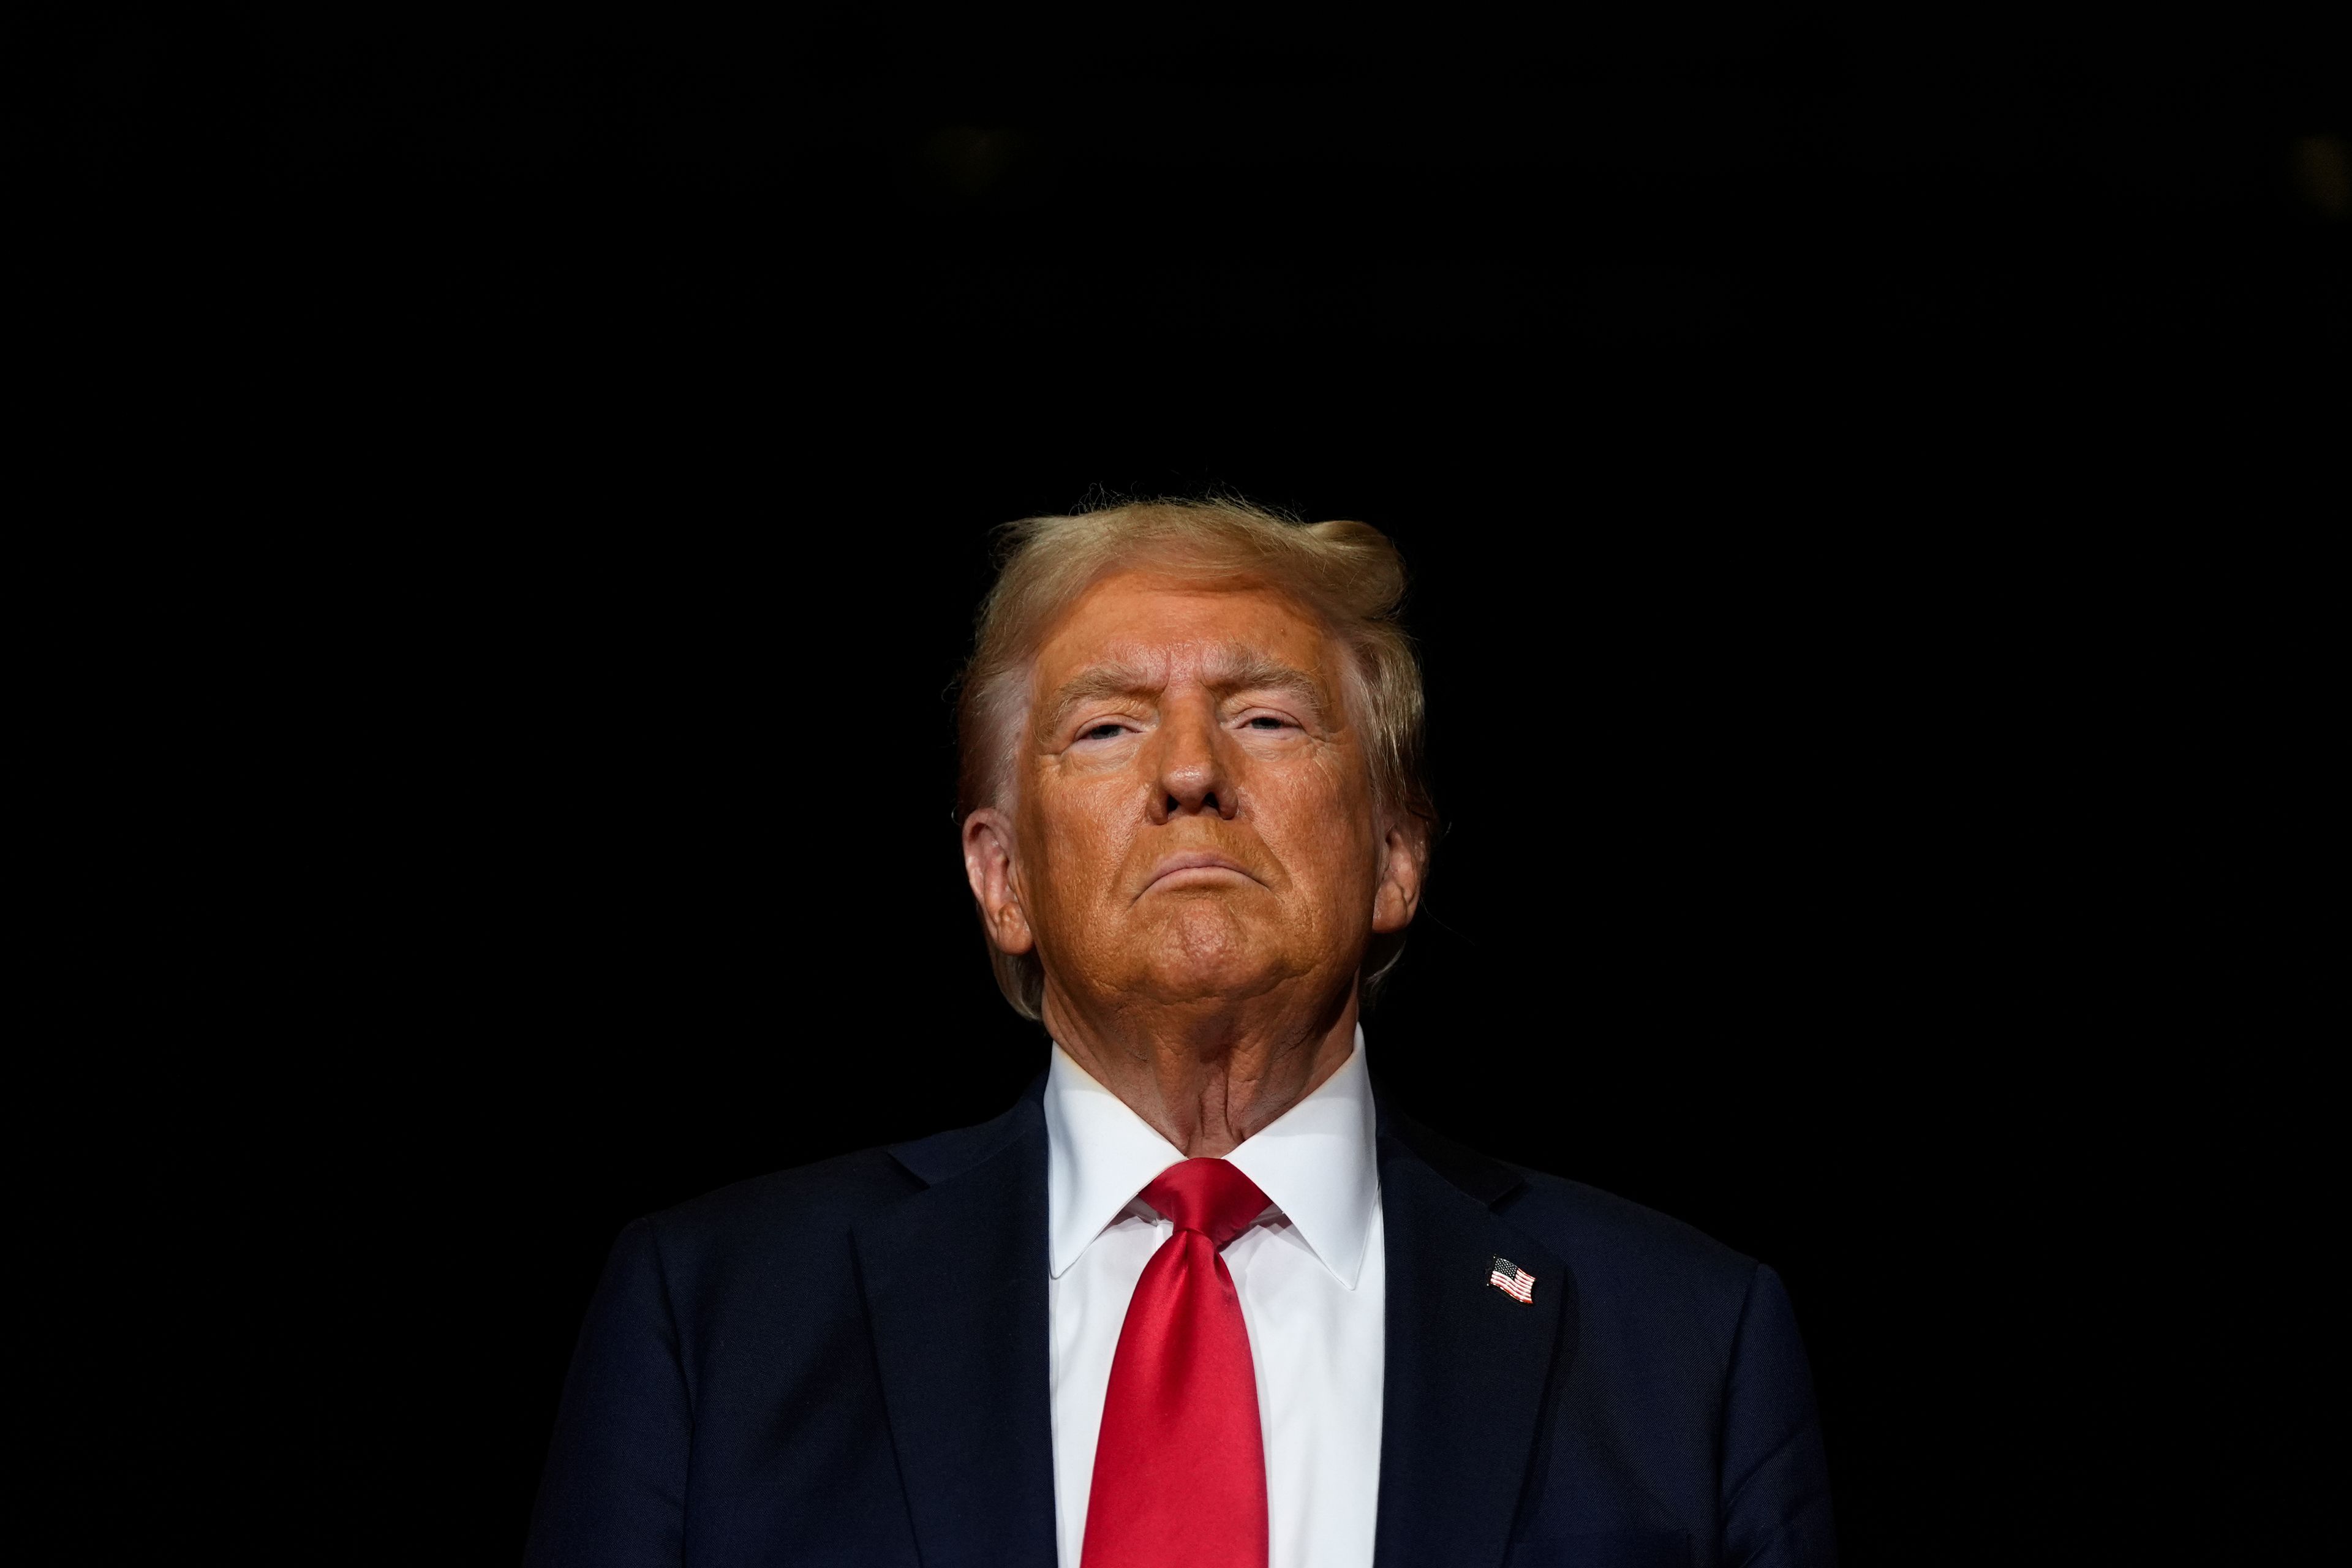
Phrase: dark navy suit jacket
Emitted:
{"points": [[847, 1364]]}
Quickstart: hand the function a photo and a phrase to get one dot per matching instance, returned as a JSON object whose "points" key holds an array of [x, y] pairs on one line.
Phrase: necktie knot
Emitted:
{"points": [[1211, 1196]]}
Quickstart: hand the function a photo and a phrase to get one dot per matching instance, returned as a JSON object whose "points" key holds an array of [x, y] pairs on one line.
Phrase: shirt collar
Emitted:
{"points": [[1314, 1162]]}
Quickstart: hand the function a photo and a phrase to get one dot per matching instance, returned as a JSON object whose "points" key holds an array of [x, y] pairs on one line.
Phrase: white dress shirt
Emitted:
{"points": [[1313, 1281]]}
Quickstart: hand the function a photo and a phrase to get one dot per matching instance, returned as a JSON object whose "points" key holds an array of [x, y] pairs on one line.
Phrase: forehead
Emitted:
{"points": [[1169, 624]]}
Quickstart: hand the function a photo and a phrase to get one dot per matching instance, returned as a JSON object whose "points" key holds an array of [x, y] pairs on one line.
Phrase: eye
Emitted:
{"points": [[1266, 721], [1105, 731]]}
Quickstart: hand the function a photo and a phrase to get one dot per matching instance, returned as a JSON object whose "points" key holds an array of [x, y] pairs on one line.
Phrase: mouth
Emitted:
{"points": [[1197, 868]]}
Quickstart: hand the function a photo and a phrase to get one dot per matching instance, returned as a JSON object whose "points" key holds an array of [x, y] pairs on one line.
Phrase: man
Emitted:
{"points": [[1199, 1298]]}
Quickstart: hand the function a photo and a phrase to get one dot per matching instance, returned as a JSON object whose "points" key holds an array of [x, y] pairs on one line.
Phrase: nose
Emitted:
{"points": [[1194, 773]]}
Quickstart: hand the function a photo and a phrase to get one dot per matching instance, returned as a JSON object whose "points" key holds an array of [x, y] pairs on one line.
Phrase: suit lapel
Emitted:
{"points": [[1466, 1363], [955, 1287]]}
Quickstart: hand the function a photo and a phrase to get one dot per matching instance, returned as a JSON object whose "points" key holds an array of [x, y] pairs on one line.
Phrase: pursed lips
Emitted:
{"points": [[1194, 861]]}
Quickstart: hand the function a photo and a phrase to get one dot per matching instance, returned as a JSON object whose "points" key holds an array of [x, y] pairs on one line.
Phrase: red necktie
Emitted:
{"points": [[1180, 1470]]}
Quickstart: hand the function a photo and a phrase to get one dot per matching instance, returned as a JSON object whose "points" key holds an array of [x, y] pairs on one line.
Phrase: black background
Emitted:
{"points": [[1859, 482]]}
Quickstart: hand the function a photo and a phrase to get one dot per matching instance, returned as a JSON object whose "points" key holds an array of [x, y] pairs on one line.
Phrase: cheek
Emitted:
{"points": [[1319, 821], [1079, 840]]}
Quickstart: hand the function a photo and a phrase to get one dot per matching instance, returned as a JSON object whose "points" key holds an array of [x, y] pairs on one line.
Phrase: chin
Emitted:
{"points": [[1168, 985], [1206, 954]]}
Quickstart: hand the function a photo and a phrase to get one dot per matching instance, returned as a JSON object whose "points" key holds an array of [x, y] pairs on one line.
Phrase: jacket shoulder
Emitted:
{"points": [[1689, 1350], [782, 1224], [1618, 1242], [1640, 1277], [1616, 1235], [829, 1195]]}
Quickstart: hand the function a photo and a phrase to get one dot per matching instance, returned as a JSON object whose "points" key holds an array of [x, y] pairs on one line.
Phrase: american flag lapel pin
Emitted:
{"points": [[1513, 1281]]}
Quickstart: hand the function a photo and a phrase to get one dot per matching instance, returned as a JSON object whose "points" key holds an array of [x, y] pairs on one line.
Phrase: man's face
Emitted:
{"points": [[1194, 819]]}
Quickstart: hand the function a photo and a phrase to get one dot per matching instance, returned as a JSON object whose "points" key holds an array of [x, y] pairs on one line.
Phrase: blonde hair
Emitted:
{"points": [[1346, 573]]}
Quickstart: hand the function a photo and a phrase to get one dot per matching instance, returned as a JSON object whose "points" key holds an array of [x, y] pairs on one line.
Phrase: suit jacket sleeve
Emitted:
{"points": [[613, 1495], [1776, 1496]]}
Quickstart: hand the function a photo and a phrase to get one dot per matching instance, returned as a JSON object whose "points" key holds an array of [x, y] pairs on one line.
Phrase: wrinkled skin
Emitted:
{"points": [[1192, 850]]}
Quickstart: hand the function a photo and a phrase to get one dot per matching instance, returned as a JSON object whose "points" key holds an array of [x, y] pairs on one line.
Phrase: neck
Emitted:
{"points": [[1206, 1081]]}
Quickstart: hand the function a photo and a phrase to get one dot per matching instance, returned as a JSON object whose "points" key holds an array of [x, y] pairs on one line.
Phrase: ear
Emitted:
{"points": [[989, 865], [1404, 857]]}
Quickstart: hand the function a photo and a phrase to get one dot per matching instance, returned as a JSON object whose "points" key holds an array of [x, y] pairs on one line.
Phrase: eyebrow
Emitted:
{"points": [[1232, 667]]}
